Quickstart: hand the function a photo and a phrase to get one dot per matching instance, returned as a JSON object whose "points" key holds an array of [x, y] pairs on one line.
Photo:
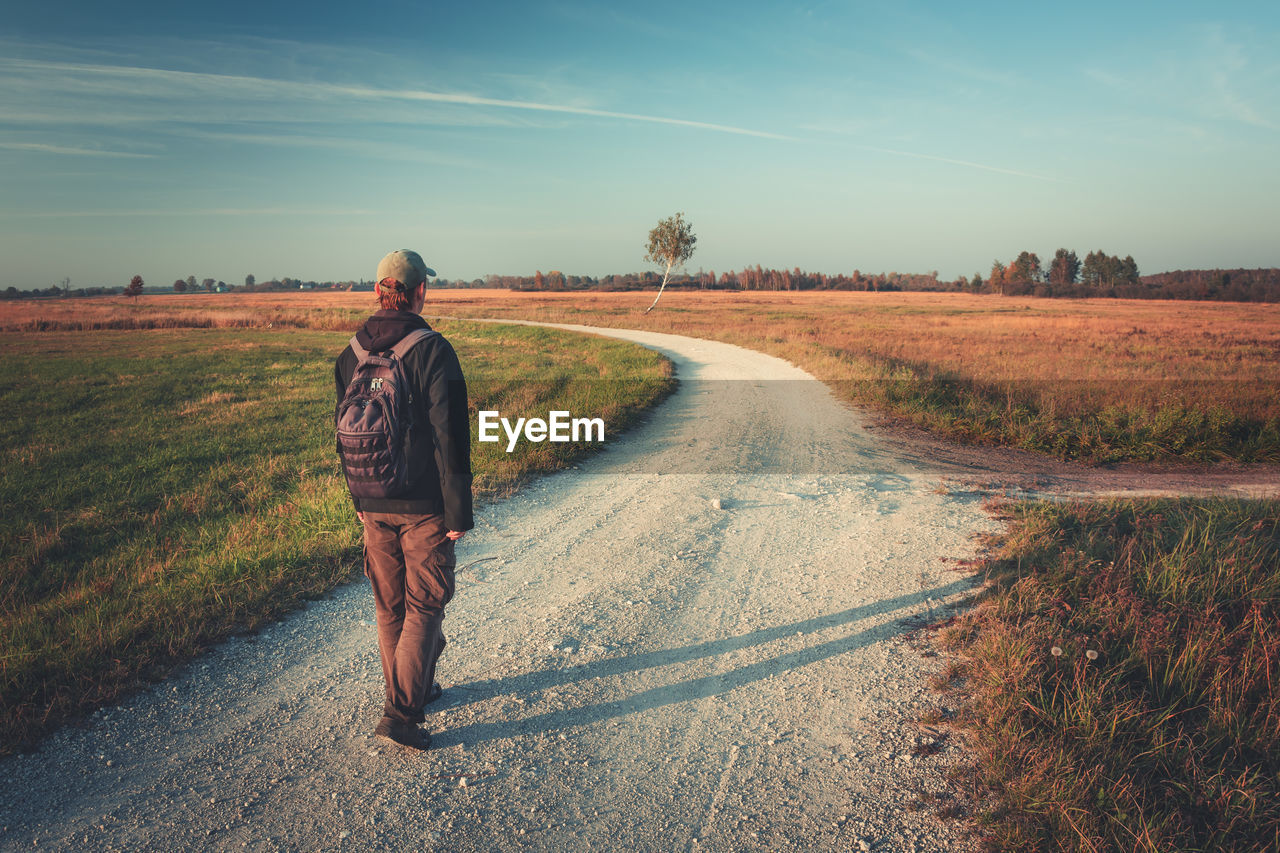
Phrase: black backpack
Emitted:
{"points": [[374, 421]]}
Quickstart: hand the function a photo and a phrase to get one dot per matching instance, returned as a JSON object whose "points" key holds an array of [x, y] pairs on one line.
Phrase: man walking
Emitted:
{"points": [[414, 499]]}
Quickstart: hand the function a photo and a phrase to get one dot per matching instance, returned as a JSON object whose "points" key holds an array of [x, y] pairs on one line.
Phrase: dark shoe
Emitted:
{"points": [[405, 734], [434, 692]]}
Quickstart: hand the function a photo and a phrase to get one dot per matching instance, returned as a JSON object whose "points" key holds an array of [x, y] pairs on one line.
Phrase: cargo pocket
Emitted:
{"points": [[444, 559], [448, 553]]}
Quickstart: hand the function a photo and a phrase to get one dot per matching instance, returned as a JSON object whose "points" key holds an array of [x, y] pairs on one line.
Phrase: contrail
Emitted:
{"points": [[63, 149], [216, 211], [475, 100], [286, 87], [968, 163]]}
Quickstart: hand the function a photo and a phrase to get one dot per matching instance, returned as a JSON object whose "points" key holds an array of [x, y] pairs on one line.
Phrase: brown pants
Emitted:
{"points": [[409, 562]]}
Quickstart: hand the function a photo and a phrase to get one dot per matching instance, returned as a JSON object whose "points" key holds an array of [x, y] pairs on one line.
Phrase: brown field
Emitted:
{"points": [[1098, 379]]}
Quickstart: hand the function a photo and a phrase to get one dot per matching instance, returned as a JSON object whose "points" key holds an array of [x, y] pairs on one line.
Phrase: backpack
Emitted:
{"points": [[374, 421]]}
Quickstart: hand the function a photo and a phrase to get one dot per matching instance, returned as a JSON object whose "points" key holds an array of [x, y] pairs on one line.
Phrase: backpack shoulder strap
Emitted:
{"points": [[360, 352], [401, 349]]}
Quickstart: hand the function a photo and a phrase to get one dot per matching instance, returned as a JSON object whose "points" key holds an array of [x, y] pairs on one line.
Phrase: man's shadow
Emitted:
{"points": [[696, 688]]}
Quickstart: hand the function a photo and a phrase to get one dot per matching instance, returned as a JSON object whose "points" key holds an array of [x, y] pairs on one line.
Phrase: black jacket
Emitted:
{"points": [[440, 448]]}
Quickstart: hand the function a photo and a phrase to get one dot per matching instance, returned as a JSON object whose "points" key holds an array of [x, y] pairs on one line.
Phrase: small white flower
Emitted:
{"points": [[1056, 651], [1091, 654]]}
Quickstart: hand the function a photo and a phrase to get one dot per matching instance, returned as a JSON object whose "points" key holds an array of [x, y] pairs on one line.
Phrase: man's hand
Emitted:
{"points": [[455, 535], [360, 515]]}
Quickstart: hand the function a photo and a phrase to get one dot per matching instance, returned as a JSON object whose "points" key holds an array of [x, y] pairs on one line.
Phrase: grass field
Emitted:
{"points": [[152, 475], [1097, 380], [1120, 677]]}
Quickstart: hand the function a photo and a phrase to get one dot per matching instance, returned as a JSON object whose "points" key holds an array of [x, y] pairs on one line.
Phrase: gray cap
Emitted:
{"points": [[405, 267]]}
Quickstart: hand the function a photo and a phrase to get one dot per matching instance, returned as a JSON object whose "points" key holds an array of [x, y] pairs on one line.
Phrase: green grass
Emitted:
{"points": [[613, 380], [163, 488], [1029, 416], [1168, 739]]}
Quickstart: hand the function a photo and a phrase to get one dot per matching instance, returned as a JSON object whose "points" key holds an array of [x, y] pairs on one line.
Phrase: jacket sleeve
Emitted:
{"points": [[450, 424], [342, 370], [338, 378]]}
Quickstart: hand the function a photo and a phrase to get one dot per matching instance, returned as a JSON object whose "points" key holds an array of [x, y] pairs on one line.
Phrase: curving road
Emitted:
{"points": [[699, 640]]}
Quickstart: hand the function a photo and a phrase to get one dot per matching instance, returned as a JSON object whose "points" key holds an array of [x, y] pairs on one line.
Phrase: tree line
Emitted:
{"points": [[1238, 285], [1103, 275], [190, 284], [1064, 276], [1098, 275], [749, 278]]}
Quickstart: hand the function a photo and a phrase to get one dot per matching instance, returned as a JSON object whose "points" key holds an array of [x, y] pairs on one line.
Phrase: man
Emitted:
{"points": [[409, 538]]}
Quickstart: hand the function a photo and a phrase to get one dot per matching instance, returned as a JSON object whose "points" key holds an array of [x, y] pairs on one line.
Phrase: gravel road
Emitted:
{"points": [[700, 639]]}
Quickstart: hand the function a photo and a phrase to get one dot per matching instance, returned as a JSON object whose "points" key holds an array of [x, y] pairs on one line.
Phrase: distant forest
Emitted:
{"points": [[1065, 276], [1261, 285], [1099, 275]]}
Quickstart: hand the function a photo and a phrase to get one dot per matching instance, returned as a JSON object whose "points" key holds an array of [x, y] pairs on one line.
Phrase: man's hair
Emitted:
{"points": [[395, 300]]}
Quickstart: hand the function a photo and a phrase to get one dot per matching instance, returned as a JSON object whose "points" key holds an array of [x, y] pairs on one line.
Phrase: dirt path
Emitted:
{"points": [[699, 640]]}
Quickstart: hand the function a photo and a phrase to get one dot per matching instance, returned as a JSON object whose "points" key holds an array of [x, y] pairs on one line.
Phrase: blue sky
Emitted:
{"points": [[291, 139]]}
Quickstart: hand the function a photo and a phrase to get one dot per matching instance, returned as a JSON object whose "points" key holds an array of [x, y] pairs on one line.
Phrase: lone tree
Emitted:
{"points": [[670, 243], [135, 287], [179, 285]]}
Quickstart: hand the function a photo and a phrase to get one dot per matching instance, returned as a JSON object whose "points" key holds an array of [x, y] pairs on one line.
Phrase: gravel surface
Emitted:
{"points": [[704, 638]]}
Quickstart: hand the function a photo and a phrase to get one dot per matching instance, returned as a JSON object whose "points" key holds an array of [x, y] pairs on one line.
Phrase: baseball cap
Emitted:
{"points": [[405, 267]]}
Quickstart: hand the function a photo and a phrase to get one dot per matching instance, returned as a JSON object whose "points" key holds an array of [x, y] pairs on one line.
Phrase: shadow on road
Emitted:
{"points": [[683, 691]]}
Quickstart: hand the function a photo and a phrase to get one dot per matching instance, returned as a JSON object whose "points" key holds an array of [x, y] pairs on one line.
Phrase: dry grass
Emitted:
{"points": [[1119, 678], [201, 311], [1102, 380]]}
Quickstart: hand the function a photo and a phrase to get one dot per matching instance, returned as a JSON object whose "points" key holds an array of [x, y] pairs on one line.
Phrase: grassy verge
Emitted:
{"points": [[162, 488], [1120, 677]]}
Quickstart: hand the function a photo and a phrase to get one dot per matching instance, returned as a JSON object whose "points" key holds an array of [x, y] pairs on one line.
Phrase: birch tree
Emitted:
{"points": [[671, 244]]}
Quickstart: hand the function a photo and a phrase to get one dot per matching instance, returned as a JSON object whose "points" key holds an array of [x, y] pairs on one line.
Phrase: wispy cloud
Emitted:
{"points": [[156, 86], [1231, 67], [63, 149], [364, 147], [124, 81], [1213, 78], [213, 211]]}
